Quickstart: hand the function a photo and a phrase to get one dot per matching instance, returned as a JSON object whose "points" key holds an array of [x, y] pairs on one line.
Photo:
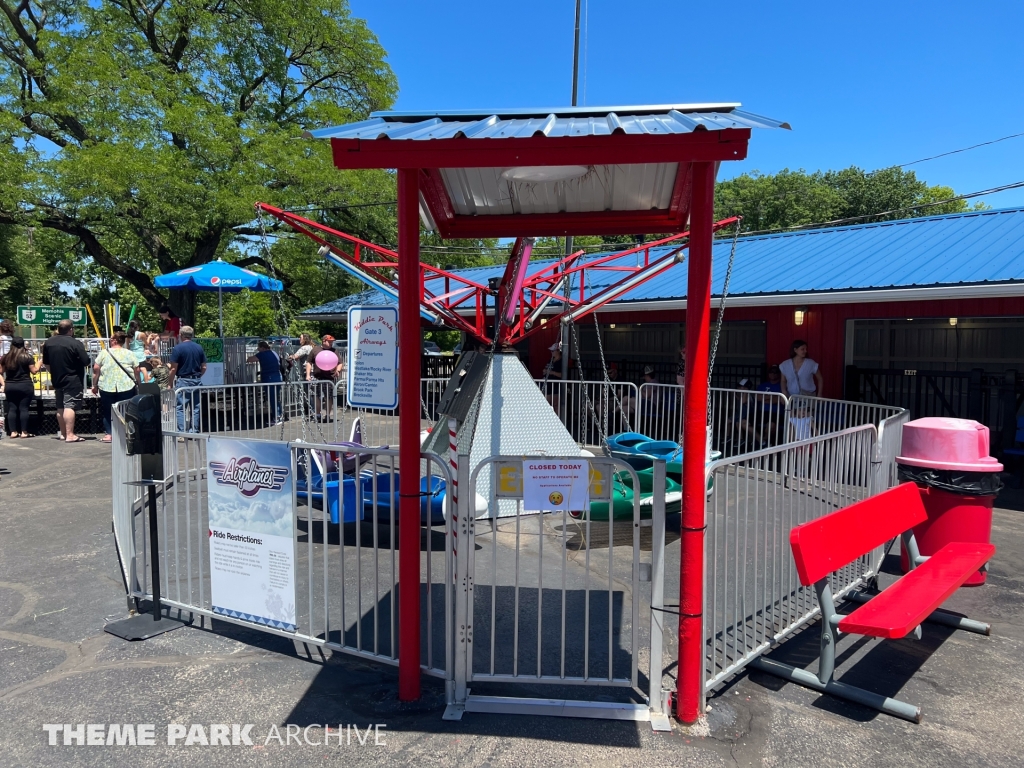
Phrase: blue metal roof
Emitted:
{"points": [[552, 122], [964, 249]]}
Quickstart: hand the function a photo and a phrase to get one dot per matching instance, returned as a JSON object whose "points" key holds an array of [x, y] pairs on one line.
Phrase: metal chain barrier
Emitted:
{"points": [[721, 309]]}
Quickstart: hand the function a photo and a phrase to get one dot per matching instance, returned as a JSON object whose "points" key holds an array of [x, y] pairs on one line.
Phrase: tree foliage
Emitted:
{"points": [[797, 198], [24, 277], [142, 131]]}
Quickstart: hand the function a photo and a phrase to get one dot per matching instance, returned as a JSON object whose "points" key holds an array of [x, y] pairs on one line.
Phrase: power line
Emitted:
{"points": [[315, 208], [440, 250], [836, 222], [957, 151]]}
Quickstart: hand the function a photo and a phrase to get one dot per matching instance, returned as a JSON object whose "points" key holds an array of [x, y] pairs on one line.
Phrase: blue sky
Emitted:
{"points": [[870, 84]]}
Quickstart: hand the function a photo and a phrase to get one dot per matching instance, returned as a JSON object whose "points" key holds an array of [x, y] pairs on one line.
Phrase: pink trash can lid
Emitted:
{"points": [[943, 443]]}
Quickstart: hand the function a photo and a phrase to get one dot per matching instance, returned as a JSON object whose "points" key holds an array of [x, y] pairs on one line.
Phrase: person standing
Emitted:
{"points": [[113, 379], [270, 374], [154, 370], [16, 369], [188, 364], [681, 367], [6, 335], [324, 395], [137, 339], [302, 354], [800, 374], [172, 323], [66, 359]]}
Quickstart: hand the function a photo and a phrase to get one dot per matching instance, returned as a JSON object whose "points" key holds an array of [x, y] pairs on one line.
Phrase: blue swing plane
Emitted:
{"points": [[374, 498]]}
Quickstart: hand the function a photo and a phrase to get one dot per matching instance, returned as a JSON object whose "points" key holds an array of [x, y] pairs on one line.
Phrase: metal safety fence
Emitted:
{"points": [[739, 420], [557, 599], [591, 410], [290, 410], [753, 596], [280, 411], [345, 570], [810, 416], [530, 599]]}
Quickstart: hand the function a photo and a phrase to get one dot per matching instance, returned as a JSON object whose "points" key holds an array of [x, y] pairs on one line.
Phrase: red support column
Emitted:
{"points": [[409, 434], [691, 566]]}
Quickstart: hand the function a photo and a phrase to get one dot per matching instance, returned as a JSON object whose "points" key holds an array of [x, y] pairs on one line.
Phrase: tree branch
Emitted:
{"points": [[59, 221]]}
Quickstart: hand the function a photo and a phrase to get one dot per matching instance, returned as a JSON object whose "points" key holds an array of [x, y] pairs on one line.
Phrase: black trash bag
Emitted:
{"points": [[143, 427], [953, 480]]}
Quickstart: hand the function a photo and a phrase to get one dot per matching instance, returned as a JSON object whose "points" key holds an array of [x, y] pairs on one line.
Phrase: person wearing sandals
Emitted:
{"points": [[114, 376], [66, 359], [16, 369]]}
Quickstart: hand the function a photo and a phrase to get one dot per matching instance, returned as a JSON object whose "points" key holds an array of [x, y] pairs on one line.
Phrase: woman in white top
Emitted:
{"points": [[6, 335], [800, 374]]}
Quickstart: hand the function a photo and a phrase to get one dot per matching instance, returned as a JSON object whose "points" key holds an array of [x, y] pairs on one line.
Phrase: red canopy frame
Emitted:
{"points": [[527, 294], [419, 163], [617, 149]]}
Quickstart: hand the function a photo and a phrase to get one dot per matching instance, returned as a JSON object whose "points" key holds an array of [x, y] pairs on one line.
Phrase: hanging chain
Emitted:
{"points": [[293, 389], [721, 308], [604, 372]]}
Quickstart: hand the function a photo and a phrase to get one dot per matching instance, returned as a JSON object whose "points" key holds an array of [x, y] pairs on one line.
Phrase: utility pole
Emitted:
{"points": [[566, 350]]}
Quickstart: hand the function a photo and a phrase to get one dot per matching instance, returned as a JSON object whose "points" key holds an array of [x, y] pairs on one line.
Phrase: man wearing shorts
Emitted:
{"points": [[66, 359]]}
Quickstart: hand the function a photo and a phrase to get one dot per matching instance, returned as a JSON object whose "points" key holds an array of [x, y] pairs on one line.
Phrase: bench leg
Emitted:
{"points": [[850, 693], [937, 617], [959, 622]]}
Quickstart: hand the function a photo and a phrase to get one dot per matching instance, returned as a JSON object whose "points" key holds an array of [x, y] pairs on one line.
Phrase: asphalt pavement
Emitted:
{"points": [[60, 583]]}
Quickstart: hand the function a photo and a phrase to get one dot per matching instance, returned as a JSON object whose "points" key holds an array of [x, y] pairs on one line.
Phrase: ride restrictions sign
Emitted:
{"points": [[50, 315], [373, 357], [252, 546]]}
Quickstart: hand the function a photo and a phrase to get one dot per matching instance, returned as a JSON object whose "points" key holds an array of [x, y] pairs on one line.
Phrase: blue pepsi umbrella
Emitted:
{"points": [[221, 277]]}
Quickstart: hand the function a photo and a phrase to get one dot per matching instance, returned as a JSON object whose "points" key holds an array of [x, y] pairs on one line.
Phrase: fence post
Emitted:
{"points": [[1008, 408], [462, 542], [877, 482], [974, 394], [659, 713]]}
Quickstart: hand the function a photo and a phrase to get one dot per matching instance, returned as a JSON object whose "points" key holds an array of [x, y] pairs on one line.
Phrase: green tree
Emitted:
{"points": [[143, 131], [24, 274], [797, 198]]}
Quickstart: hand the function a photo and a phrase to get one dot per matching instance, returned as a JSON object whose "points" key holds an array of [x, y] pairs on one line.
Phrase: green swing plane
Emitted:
{"points": [[623, 493]]}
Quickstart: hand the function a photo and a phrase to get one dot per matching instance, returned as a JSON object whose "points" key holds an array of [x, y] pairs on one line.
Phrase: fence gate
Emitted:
{"points": [[550, 604]]}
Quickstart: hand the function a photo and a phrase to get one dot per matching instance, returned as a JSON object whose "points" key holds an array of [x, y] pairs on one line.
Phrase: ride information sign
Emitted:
{"points": [[556, 485], [50, 315], [373, 357], [252, 547]]}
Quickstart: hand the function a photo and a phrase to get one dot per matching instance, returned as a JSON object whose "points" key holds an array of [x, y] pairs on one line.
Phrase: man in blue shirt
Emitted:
{"points": [[774, 383], [270, 373], [188, 364]]}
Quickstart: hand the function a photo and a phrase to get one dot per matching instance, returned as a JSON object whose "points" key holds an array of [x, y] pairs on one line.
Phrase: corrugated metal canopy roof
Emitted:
{"points": [[958, 254], [550, 171], [549, 122]]}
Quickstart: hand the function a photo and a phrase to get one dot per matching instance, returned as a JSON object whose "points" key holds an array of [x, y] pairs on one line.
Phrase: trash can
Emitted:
{"points": [[949, 460]]}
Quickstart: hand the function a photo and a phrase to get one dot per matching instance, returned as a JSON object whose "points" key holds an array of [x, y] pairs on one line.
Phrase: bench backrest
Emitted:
{"points": [[835, 540]]}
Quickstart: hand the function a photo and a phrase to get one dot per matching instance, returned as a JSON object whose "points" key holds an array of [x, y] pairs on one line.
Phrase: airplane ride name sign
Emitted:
{"points": [[373, 357]]}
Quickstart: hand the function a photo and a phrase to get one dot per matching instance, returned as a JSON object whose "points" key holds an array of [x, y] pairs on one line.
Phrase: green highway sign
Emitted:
{"points": [[50, 315]]}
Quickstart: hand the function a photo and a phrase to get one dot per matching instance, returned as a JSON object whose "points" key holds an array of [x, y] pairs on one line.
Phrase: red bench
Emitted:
{"points": [[827, 544]]}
